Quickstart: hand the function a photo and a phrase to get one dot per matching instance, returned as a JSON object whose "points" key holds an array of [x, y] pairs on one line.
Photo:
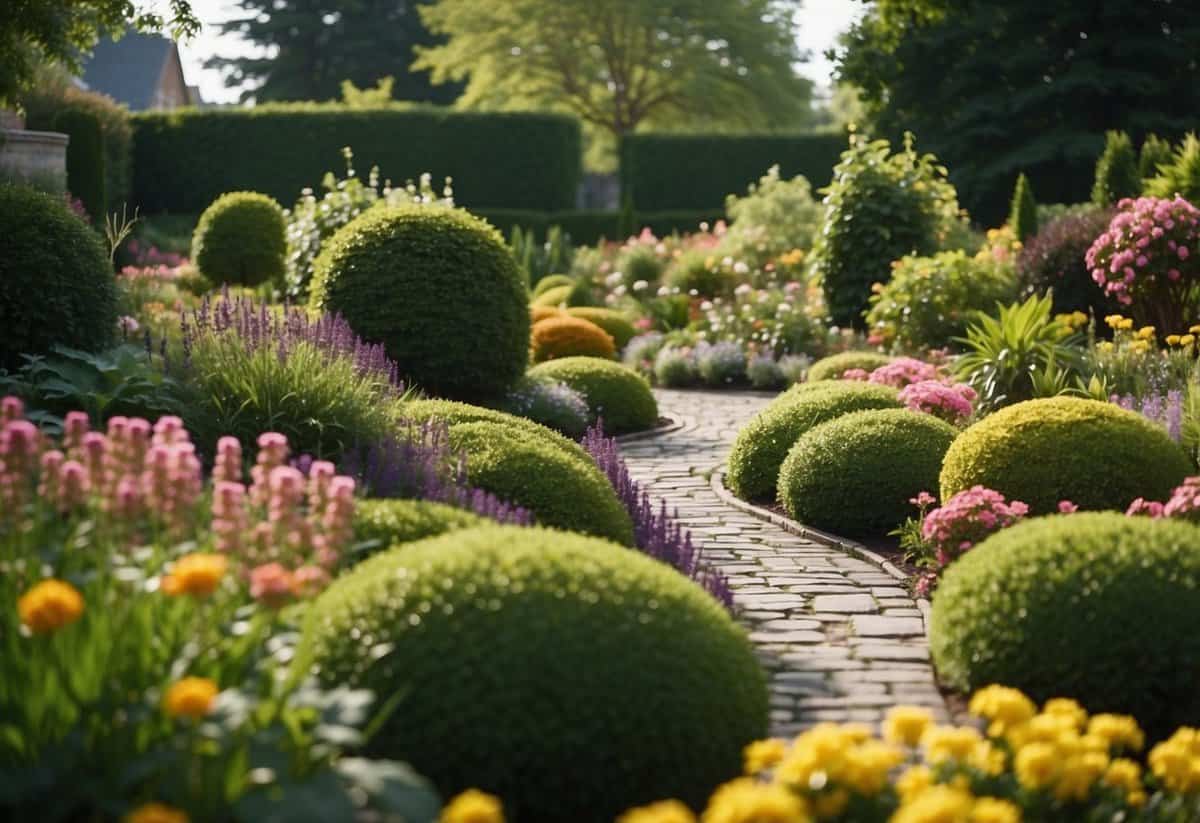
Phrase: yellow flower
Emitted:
{"points": [[1140, 346], [913, 781], [1145, 332], [988, 759], [1126, 324], [1187, 340], [156, 813], [1124, 774], [904, 725], [196, 574], [1036, 765], [1006, 708], [666, 811], [473, 806], [1172, 340], [190, 697], [937, 804], [868, 764], [944, 743], [1065, 707], [745, 800], [1114, 321], [1105, 346], [1078, 774], [993, 810], [762, 755], [1176, 761], [1119, 731], [1194, 329], [49, 606]]}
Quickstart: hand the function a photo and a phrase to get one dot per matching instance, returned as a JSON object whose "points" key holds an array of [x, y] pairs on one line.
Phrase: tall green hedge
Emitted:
{"points": [[685, 172], [185, 159], [85, 159]]}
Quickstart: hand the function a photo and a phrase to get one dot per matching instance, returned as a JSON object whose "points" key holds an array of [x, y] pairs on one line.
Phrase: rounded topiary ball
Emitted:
{"points": [[854, 475], [56, 282], [764, 442], [569, 676], [552, 281], [566, 336], [241, 239], [380, 524], [1097, 455], [524, 469], [613, 322], [832, 367], [552, 297], [1098, 606], [619, 395], [439, 289]]}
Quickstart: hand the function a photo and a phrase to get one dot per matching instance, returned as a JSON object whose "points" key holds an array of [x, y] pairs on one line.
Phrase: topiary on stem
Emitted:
{"points": [[241, 240]]}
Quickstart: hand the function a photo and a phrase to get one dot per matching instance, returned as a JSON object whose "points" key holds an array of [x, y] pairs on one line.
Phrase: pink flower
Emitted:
{"points": [[855, 374], [902, 371], [953, 402], [1067, 507], [923, 499], [271, 584]]}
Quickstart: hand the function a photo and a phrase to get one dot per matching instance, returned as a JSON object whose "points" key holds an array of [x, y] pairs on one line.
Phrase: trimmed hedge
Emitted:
{"points": [[613, 322], [550, 669], [618, 394], [832, 367], [387, 523], [659, 171], [567, 336], [1097, 455], [524, 469], [552, 297], [551, 281], [498, 159], [241, 240], [763, 443], [85, 159], [1098, 606], [855, 475]]}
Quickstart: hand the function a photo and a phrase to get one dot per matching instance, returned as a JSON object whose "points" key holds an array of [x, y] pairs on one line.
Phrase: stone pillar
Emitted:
{"points": [[35, 157]]}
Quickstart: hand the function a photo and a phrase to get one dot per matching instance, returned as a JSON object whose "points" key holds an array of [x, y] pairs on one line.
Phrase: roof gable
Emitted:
{"points": [[129, 69]]}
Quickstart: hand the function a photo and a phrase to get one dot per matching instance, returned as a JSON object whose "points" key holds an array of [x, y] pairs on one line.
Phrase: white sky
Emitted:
{"points": [[821, 22]]}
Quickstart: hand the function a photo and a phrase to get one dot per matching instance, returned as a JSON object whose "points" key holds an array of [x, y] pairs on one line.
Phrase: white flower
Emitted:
{"points": [[614, 279], [727, 261], [740, 268], [619, 290], [663, 291], [743, 289], [783, 308]]}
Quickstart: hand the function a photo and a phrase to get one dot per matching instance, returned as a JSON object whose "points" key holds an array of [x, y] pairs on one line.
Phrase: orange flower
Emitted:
{"points": [[195, 574], [49, 606], [190, 697]]}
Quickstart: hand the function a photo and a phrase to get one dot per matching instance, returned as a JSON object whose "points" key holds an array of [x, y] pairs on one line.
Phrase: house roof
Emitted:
{"points": [[128, 69]]}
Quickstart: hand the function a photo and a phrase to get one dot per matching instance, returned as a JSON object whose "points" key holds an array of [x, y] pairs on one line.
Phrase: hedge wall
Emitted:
{"points": [[185, 159], [684, 172]]}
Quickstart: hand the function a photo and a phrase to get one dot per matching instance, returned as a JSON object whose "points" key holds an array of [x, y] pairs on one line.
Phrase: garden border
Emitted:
{"points": [[670, 426]]}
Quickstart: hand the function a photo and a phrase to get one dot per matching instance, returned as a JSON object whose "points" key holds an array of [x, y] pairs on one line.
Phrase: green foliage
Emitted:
{"points": [[532, 160], [880, 206], [1117, 175], [1181, 175], [56, 282], [370, 97], [1155, 152], [1095, 454], [85, 159], [382, 524], [539, 260], [855, 475], [551, 281], [832, 367], [1081, 605], [698, 272], [639, 262], [416, 280], [774, 217], [613, 392], [763, 443], [554, 295], [241, 240], [591, 667], [613, 322], [928, 301], [1022, 216]]}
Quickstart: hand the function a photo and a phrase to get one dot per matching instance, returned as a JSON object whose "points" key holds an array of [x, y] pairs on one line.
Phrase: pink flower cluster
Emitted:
{"points": [[966, 518], [902, 372], [1184, 503], [1150, 243], [953, 402]]}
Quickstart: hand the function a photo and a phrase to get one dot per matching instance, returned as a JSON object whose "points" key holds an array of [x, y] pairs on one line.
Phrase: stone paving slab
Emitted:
{"points": [[840, 638]]}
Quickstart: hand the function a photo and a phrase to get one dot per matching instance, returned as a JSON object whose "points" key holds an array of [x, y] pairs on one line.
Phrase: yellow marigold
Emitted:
{"points": [[994, 810], [868, 764], [944, 743], [1124, 774], [815, 755], [1145, 333], [156, 813], [763, 754], [1006, 708], [473, 806], [1172, 340], [49, 606], [988, 759], [1176, 761], [1044, 728], [190, 697], [1078, 774], [1139, 346], [1187, 340], [905, 725], [1119, 731], [666, 811], [1036, 765], [913, 781], [568, 336], [830, 804], [1126, 324], [937, 804], [1194, 329], [1065, 707], [196, 574], [746, 800]]}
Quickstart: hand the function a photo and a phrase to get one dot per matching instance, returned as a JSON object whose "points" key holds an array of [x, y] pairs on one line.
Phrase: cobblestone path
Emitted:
{"points": [[841, 639]]}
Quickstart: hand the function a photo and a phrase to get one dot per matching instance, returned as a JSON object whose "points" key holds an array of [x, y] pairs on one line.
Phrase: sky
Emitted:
{"points": [[821, 22]]}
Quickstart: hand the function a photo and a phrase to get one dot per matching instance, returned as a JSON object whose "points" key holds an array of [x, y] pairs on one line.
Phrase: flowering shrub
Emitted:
{"points": [[1184, 503], [953, 402], [1054, 260], [550, 403], [721, 364], [774, 220], [903, 371], [776, 320], [675, 367]]}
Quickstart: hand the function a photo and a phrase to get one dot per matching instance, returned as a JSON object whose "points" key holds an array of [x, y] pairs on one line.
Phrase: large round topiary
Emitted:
{"points": [[613, 322], [856, 474], [832, 367], [566, 336], [1098, 606], [56, 282], [241, 239], [618, 394], [522, 468], [567, 675], [1097, 455], [764, 442], [439, 288], [381, 524]]}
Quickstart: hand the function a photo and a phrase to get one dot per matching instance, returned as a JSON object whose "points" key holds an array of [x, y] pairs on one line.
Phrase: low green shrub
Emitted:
{"points": [[832, 367], [1097, 455], [763, 443], [552, 281], [698, 272], [618, 394], [553, 296], [613, 322], [545, 667], [1091, 605], [521, 468], [856, 474], [241, 240], [382, 524]]}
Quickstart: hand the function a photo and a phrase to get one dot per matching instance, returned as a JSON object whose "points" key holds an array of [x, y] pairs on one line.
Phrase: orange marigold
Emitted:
{"points": [[49, 606], [196, 574], [190, 697], [567, 336]]}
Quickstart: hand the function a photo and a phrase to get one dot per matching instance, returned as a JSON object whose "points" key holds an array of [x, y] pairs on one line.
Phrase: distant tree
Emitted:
{"points": [[1155, 152], [378, 95], [1022, 217], [1117, 173]]}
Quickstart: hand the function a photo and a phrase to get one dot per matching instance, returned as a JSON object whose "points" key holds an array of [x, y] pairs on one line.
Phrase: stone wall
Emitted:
{"points": [[36, 157]]}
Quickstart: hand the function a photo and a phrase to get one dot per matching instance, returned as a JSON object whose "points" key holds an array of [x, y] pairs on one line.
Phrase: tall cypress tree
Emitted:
{"points": [[1117, 173], [1022, 217]]}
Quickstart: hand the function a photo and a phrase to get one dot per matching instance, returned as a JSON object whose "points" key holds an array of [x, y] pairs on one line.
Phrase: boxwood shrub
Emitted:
{"points": [[834, 366], [855, 475], [551, 281], [567, 336], [568, 676], [381, 524], [439, 289], [553, 296], [1094, 605], [241, 239], [618, 394], [763, 443], [1097, 455], [613, 322]]}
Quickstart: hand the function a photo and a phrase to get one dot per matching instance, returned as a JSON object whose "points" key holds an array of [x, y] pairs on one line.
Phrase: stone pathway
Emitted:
{"points": [[840, 638]]}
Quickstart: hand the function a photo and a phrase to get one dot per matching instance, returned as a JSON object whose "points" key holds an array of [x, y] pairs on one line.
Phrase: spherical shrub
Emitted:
{"points": [[521, 468], [1092, 605], [547, 668], [439, 288], [540, 313], [613, 322], [553, 404], [855, 475], [721, 364], [764, 442], [832, 367], [675, 367], [619, 395], [381, 524], [551, 281], [566, 336], [639, 263], [1097, 455], [56, 284], [241, 239], [553, 297]]}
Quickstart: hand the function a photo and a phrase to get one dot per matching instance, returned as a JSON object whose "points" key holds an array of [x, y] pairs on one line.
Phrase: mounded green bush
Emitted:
{"points": [[523, 469], [553, 296], [56, 282], [855, 475], [568, 676], [85, 159], [551, 281], [386, 523], [618, 394], [439, 289], [832, 367], [241, 239], [1097, 455], [613, 322], [1098, 606], [763, 443]]}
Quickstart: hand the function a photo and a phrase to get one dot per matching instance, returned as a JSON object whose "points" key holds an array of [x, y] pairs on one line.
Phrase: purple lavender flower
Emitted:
{"points": [[1163, 409]]}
